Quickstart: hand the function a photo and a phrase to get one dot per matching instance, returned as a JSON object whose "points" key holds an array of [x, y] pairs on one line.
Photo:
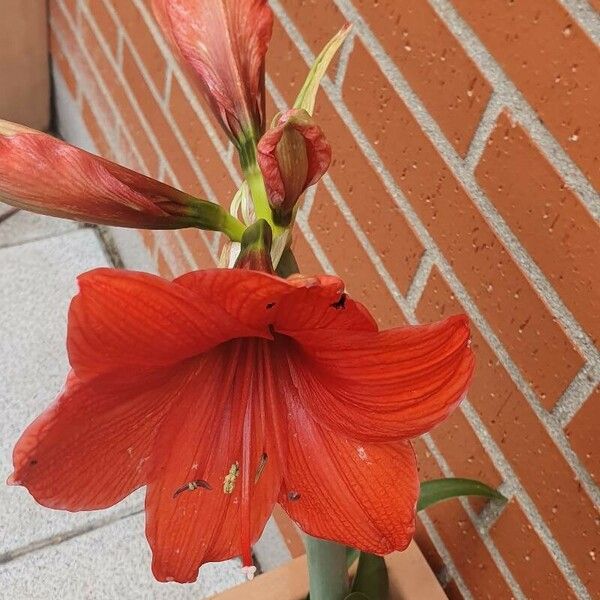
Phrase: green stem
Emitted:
{"points": [[256, 183], [233, 228], [327, 569], [258, 190]]}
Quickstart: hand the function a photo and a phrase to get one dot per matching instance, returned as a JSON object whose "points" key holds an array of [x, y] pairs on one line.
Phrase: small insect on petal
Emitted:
{"points": [[293, 496], [191, 486], [262, 463], [341, 303], [229, 481]]}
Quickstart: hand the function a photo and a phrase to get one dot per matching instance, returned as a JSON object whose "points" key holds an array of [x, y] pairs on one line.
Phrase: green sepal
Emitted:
{"points": [[210, 216], [438, 490], [371, 577], [255, 253], [358, 596], [308, 94]]}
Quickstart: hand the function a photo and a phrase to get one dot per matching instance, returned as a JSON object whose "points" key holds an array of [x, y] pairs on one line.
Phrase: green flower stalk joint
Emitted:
{"points": [[293, 155], [255, 253]]}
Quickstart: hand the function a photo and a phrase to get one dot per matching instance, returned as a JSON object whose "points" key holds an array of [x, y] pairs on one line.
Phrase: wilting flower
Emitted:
{"points": [[42, 174], [226, 391], [293, 155], [224, 43]]}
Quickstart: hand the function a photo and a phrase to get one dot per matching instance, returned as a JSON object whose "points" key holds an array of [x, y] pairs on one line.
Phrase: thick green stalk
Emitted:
{"points": [[233, 228], [327, 569], [259, 193]]}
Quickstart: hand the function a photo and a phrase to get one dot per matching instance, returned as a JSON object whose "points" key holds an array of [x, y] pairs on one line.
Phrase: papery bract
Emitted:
{"points": [[224, 43], [227, 391], [293, 155], [42, 174]]}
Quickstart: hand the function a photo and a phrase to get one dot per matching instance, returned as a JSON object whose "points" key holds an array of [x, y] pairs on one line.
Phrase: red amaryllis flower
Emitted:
{"points": [[292, 156], [45, 175], [224, 42], [226, 391]]}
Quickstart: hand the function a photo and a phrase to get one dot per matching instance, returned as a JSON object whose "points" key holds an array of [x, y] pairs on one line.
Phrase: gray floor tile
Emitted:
{"points": [[37, 281], [110, 563], [25, 227]]}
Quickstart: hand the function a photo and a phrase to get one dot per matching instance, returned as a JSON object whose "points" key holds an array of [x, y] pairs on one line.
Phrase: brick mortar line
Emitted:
{"points": [[442, 550], [164, 163], [157, 97], [492, 511], [548, 421], [79, 77], [520, 108], [169, 172], [527, 504], [309, 200], [315, 246], [463, 174], [185, 86], [345, 53], [585, 16], [420, 280], [497, 558], [575, 396], [486, 126], [168, 84], [119, 118], [408, 312], [498, 458]]}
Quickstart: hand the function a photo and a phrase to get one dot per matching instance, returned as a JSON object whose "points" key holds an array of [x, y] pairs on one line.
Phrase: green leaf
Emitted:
{"points": [[308, 94], [371, 577], [438, 490], [357, 596]]}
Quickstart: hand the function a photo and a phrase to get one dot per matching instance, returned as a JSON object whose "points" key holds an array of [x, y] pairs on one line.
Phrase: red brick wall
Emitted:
{"points": [[466, 145]]}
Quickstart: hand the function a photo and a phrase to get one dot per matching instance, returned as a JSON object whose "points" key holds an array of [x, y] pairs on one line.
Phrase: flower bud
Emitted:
{"points": [[255, 253], [293, 155]]}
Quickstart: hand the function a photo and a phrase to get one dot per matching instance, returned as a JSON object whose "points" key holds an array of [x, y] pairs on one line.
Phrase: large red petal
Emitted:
{"points": [[124, 319], [217, 428], [385, 385], [43, 174], [360, 494], [90, 448], [258, 299], [224, 42]]}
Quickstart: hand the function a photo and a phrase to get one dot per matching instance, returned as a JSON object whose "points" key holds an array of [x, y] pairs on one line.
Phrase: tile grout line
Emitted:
{"points": [[55, 540], [456, 165], [549, 423]]}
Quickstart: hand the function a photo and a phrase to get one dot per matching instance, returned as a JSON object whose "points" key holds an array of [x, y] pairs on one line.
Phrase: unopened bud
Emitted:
{"points": [[293, 155], [255, 253]]}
